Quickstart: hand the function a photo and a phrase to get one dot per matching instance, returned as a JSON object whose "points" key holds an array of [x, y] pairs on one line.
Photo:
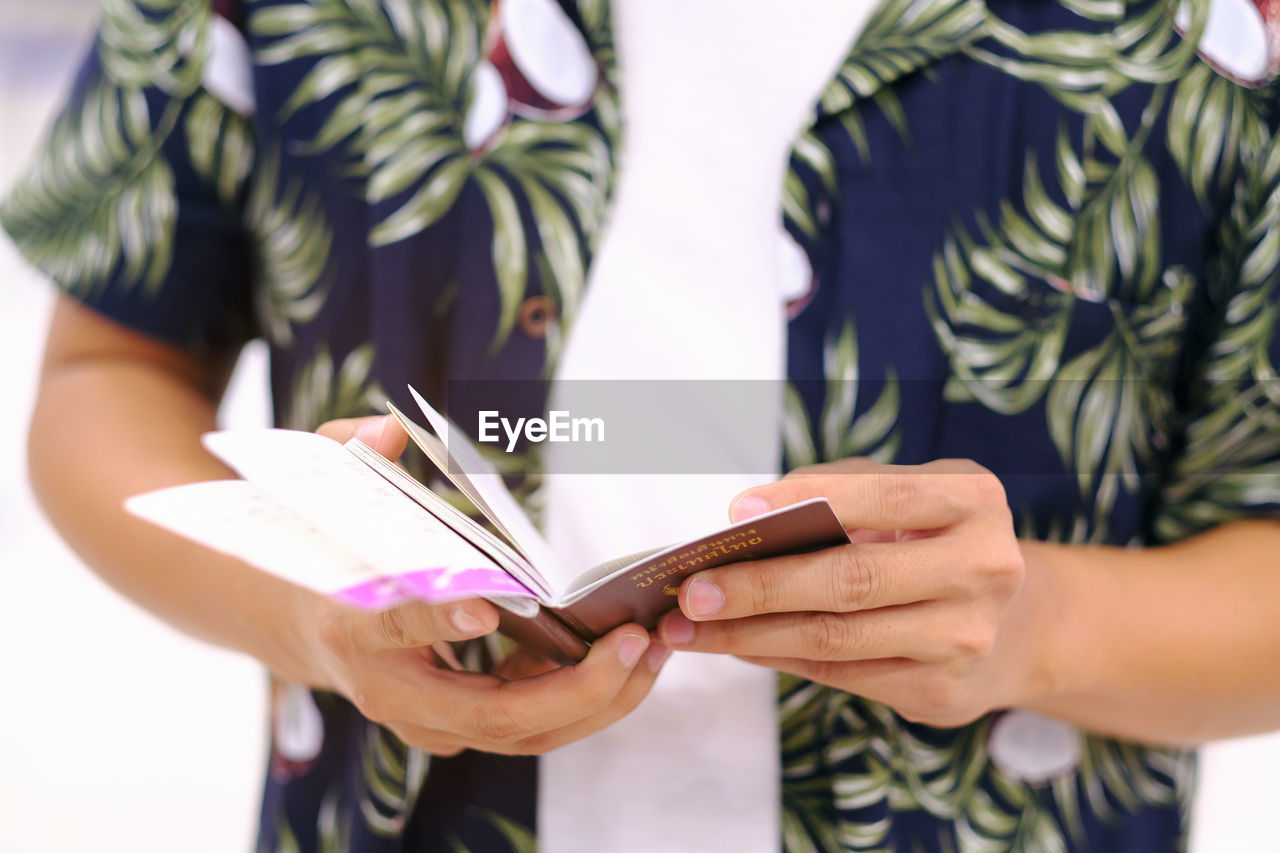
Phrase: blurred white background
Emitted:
{"points": [[116, 732]]}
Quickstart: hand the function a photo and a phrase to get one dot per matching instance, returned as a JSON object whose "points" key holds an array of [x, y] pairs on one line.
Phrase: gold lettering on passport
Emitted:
{"points": [[702, 554]]}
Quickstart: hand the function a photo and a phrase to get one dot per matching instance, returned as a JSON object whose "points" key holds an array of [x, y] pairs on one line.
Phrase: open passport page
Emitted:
{"points": [[346, 522]]}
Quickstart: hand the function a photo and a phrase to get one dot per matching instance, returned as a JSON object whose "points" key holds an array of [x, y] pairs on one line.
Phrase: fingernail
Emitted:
{"points": [[676, 630], [748, 507], [632, 646], [703, 598], [656, 656], [370, 432], [465, 622]]}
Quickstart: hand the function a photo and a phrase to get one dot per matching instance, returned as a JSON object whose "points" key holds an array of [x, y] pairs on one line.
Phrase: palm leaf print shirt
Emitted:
{"points": [[1041, 235]]}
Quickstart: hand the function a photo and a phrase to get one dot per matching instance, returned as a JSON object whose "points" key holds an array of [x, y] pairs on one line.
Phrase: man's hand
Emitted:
{"points": [[916, 613], [384, 663]]}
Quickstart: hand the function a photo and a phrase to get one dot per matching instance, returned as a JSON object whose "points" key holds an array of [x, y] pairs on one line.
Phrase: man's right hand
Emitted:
{"points": [[384, 663]]}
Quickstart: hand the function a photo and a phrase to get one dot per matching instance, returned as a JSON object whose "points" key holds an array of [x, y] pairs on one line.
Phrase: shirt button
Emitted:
{"points": [[1034, 749], [536, 313]]}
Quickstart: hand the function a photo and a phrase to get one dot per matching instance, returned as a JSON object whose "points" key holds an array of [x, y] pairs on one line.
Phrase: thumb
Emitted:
{"points": [[382, 432]]}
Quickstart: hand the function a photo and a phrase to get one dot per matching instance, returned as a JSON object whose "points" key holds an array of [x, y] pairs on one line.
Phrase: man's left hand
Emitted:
{"points": [[920, 612]]}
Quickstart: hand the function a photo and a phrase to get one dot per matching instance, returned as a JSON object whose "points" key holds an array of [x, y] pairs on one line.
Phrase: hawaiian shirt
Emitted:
{"points": [[1040, 235]]}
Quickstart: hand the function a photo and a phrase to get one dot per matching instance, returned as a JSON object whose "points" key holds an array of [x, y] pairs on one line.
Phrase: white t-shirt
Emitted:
{"points": [[685, 286]]}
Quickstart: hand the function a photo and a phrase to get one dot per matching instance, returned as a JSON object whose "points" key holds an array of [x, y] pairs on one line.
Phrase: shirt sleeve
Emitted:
{"points": [[1228, 464], [132, 203]]}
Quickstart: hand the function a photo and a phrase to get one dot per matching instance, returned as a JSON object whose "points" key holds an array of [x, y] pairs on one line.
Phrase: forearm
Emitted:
{"points": [[1177, 644], [108, 428]]}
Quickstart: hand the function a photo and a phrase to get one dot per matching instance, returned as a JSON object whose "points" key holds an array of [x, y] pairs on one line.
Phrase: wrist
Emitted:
{"points": [[292, 648], [1036, 672]]}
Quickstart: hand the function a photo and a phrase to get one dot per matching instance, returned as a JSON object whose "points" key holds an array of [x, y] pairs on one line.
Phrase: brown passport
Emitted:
{"points": [[643, 587], [572, 607]]}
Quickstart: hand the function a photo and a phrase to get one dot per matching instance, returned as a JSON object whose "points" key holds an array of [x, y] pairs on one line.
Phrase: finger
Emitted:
{"points": [[915, 690], [522, 663], [933, 496], [383, 433], [420, 624], [934, 632], [837, 580], [761, 499], [631, 695], [405, 689], [503, 712], [632, 692], [428, 740], [445, 655], [879, 680]]}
